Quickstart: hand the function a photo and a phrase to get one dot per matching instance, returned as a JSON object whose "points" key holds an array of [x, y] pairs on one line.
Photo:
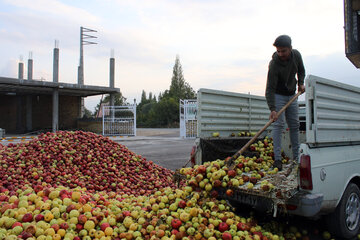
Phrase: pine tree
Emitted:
{"points": [[164, 112], [179, 88], [150, 96], [143, 97]]}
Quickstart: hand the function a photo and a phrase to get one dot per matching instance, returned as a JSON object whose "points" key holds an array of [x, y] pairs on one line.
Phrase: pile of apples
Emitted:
{"points": [[80, 159], [245, 172], [74, 214], [79, 185]]}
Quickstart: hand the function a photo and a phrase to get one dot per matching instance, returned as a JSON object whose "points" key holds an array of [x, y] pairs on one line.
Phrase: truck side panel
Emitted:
{"points": [[332, 169], [228, 112], [333, 112]]}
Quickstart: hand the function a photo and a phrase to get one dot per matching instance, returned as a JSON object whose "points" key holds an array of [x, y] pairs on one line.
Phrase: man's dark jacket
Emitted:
{"points": [[281, 77]]}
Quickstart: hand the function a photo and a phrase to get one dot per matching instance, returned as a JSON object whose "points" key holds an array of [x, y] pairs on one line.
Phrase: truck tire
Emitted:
{"points": [[344, 222]]}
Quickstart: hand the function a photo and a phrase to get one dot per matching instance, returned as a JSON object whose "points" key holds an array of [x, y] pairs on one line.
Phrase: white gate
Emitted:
{"points": [[188, 119], [119, 120]]}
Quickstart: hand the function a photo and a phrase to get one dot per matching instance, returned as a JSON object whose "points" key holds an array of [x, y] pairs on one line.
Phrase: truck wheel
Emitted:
{"points": [[344, 222]]}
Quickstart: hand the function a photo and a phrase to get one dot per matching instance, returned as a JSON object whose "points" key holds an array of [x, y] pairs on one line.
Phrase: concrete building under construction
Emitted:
{"points": [[28, 105]]}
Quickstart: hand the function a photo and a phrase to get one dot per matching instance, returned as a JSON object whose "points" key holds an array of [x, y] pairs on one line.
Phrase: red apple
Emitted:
{"points": [[175, 223], [226, 236], [28, 217], [223, 227]]}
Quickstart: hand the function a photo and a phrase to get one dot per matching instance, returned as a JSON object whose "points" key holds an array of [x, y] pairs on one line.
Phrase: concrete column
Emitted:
{"points": [[112, 72], [55, 113], [56, 65], [81, 107], [112, 79], [30, 69], [55, 102], [29, 98], [21, 70], [19, 102]]}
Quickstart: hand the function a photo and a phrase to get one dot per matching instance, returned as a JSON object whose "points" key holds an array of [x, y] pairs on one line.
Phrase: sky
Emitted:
{"points": [[224, 45]]}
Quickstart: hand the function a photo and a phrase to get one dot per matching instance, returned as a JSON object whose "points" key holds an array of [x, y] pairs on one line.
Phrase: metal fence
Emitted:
{"points": [[188, 118], [119, 120]]}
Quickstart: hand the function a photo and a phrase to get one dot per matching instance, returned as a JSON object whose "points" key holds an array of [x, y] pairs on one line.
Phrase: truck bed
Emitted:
{"points": [[285, 186]]}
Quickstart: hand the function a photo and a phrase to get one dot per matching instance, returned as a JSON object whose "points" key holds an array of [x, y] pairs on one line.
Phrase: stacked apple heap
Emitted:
{"points": [[81, 159], [58, 186], [248, 173], [74, 214]]}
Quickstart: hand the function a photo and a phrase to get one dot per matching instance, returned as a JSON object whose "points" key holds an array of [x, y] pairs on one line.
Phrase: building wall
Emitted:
{"points": [[41, 112], [95, 126], [68, 112]]}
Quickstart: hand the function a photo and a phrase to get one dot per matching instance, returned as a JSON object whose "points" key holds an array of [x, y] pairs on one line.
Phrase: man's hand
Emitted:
{"points": [[301, 88], [273, 116]]}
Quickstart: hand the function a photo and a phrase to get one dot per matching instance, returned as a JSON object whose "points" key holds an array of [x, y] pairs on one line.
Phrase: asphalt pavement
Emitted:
{"points": [[162, 146]]}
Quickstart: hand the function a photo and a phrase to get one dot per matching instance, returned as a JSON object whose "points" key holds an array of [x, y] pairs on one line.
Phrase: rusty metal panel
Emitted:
{"points": [[352, 31]]}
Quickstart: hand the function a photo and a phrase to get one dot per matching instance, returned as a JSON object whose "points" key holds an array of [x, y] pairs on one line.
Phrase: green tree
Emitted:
{"points": [[143, 115], [164, 112], [179, 88], [119, 100], [143, 97], [87, 113]]}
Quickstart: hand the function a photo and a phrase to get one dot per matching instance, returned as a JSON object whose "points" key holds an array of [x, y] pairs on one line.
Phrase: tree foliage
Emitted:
{"points": [[87, 113], [162, 111], [179, 88], [165, 111], [119, 100]]}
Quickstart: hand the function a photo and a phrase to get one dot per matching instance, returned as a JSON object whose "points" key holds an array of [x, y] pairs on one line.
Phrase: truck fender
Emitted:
{"points": [[354, 178]]}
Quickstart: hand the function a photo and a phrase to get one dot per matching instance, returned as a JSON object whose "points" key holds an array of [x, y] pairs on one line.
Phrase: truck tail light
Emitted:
{"points": [[305, 172], [192, 155], [291, 207]]}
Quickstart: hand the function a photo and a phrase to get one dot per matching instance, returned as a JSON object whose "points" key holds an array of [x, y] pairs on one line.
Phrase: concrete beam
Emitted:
{"points": [[45, 87]]}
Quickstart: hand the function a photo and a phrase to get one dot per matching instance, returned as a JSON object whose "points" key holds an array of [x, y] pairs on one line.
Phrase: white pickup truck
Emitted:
{"points": [[327, 179]]}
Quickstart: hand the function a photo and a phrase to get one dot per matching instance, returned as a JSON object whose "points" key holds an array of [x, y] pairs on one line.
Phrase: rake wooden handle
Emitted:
{"points": [[242, 150]]}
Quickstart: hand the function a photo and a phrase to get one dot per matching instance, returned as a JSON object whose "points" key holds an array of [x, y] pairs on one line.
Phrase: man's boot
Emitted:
{"points": [[278, 164]]}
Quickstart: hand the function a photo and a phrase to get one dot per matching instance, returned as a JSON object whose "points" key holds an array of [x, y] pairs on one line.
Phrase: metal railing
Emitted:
{"points": [[188, 118], [119, 120]]}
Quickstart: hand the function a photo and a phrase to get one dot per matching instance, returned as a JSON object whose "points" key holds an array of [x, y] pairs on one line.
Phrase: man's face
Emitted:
{"points": [[283, 53]]}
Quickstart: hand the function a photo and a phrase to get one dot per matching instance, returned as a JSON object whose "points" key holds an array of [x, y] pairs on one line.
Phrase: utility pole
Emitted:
{"points": [[85, 39]]}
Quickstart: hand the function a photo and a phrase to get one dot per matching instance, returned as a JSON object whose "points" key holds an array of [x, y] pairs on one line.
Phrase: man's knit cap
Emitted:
{"points": [[282, 41]]}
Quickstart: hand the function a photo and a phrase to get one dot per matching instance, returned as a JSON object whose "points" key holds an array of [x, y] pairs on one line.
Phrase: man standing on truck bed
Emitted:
{"points": [[280, 88]]}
